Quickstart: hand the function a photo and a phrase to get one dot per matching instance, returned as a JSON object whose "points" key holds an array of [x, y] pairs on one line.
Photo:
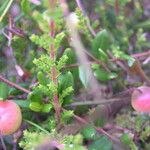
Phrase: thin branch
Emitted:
{"points": [[101, 102], [147, 53], [137, 69], [2, 141], [53, 71], [102, 131], [36, 125], [13, 85], [96, 61], [113, 126], [116, 7]]}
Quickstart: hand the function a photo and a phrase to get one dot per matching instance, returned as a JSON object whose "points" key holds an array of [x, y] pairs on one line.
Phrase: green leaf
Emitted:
{"points": [[41, 78], [103, 75], [43, 23], [25, 5], [78, 139], [66, 96], [88, 132], [84, 76], [35, 96], [47, 108], [71, 56], [102, 55], [22, 103], [3, 6], [4, 90], [62, 61], [100, 122], [101, 41], [127, 140], [66, 84], [110, 18], [66, 116], [35, 106], [64, 81], [112, 75], [103, 143], [71, 60], [145, 25]]}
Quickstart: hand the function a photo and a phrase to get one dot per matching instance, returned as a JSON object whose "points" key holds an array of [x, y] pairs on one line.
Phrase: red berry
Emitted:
{"points": [[141, 99], [10, 117]]}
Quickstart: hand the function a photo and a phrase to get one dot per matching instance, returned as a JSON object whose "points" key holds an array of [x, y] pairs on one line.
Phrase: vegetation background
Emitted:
{"points": [[72, 66]]}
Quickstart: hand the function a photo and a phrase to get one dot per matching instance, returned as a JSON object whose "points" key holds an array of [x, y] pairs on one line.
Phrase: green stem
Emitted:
{"points": [[37, 126]]}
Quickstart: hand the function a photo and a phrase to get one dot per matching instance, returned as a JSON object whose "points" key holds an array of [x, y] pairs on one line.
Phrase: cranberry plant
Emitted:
{"points": [[73, 67]]}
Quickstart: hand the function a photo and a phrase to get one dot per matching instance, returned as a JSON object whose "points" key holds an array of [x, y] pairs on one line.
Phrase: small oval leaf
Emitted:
{"points": [[35, 106]]}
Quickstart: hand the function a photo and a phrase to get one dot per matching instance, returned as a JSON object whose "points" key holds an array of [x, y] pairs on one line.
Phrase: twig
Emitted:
{"points": [[83, 121], [113, 139], [53, 70], [2, 141], [137, 70], [98, 61], [13, 85], [113, 126], [36, 125], [101, 102], [116, 7], [147, 53]]}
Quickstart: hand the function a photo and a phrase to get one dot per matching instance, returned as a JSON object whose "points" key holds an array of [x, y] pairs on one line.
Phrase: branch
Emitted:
{"points": [[53, 71], [13, 85], [103, 111], [101, 102]]}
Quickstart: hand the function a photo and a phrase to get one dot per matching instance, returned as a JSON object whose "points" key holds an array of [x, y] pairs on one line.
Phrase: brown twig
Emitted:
{"points": [[101, 102], [96, 61], [116, 7], [106, 112], [136, 69], [102, 131], [147, 53], [113, 126], [13, 85]]}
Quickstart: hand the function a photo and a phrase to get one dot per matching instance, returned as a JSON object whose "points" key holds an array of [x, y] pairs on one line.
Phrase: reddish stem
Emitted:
{"points": [[13, 85], [102, 131], [138, 55], [54, 71], [116, 7]]}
